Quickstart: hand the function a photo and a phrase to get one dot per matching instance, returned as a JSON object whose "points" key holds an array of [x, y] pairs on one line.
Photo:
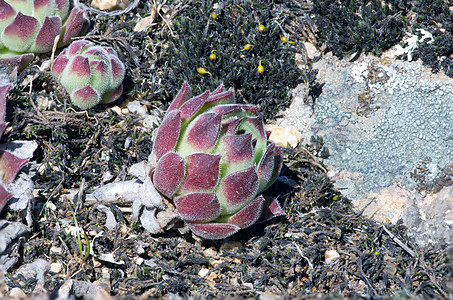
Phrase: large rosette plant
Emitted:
{"points": [[213, 160], [31, 26]]}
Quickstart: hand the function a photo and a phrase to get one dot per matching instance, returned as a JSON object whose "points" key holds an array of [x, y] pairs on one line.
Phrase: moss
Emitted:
{"points": [[197, 34], [437, 18], [349, 26]]}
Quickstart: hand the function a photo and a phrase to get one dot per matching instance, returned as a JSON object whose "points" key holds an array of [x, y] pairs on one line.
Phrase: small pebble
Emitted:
{"points": [[330, 256], [17, 293], [203, 272], [56, 267]]}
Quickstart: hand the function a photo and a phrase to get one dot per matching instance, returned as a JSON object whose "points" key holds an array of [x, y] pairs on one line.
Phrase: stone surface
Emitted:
{"points": [[388, 126]]}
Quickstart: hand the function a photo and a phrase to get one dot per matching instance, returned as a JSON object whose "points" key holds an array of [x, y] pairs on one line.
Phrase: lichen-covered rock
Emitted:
{"points": [[90, 73]]}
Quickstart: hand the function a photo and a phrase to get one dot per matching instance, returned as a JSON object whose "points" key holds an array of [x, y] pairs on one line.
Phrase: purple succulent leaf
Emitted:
{"points": [[169, 174], [269, 167], [62, 8], [232, 110], [9, 166], [255, 125], [4, 90], [3, 126], [118, 70], [230, 126], [85, 97], [4, 196], [202, 173], [221, 98], [198, 207], [236, 151], [7, 14], [43, 8], [167, 134], [73, 26], [201, 134], [77, 74], [213, 231], [183, 95], [16, 61], [237, 190], [45, 39], [111, 96], [218, 90], [271, 209], [59, 64], [249, 214], [77, 46], [100, 76], [20, 33], [193, 105], [97, 52]]}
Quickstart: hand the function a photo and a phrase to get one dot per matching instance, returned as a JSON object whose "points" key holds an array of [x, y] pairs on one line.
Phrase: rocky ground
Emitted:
{"points": [[58, 241]]}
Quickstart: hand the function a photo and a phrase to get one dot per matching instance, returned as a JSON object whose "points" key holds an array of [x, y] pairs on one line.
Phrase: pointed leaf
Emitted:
{"points": [[249, 214], [7, 14], [218, 90], [118, 70], [46, 36], [198, 207], [237, 190], [20, 34], [111, 96], [9, 166], [43, 8], [60, 64], [213, 231], [62, 8], [202, 173], [269, 167], [85, 98], [73, 25], [183, 95], [4, 90], [77, 46], [236, 151], [4, 196], [221, 98], [169, 174], [77, 74], [100, 76], [255, 125], [193, 105], [201, 134], [167, 134], [271, 209]]}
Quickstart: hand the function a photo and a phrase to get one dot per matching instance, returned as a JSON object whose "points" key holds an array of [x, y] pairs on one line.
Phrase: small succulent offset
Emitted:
{"points": [[31, 26], [90, 73], [213, 160], [9, 163]]}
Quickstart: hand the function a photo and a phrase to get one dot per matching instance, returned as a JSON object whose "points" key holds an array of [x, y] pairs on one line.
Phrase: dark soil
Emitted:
{"points": [[287, 256]]}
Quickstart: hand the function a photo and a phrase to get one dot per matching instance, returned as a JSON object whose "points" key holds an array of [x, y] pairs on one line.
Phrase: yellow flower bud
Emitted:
{"points": [[247, 47], [261, 28], [203, 71], [286, 40], [260, 68], [214, 15], [213, 57]]}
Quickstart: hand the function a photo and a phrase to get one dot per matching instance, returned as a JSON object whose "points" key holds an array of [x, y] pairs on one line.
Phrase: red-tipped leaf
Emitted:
{"points": [[213, 231], [169, 174], [202, 173], [198, 207], [167, 134]]}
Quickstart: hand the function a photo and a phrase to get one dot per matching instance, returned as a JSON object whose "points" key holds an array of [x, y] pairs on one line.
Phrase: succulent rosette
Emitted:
{"points": [[9, 163], [90, 73], [31, 26], [213, 160]]}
